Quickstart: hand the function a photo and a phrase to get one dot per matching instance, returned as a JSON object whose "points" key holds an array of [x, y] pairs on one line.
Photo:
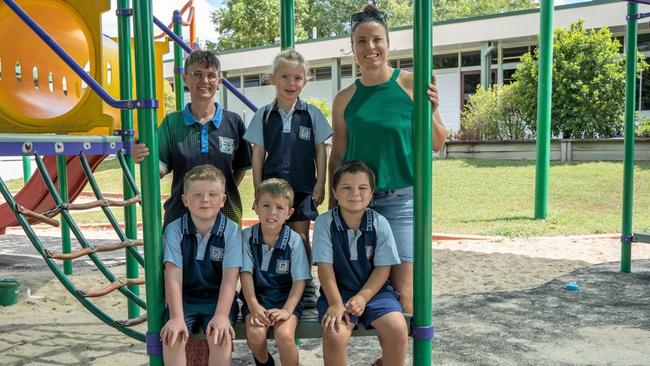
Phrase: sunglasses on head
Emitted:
{"points": [[374, 15]]}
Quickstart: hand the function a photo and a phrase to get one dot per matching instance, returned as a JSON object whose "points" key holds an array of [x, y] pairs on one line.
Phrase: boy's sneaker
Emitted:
{"points": [[310, 295]]}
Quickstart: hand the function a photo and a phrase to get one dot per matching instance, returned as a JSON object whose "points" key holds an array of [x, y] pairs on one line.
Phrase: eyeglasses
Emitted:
{"points": [[374, 15], [212, 77]]}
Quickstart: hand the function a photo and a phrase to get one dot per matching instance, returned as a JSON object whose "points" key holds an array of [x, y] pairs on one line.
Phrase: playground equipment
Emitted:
{"points": [[627, 235]]}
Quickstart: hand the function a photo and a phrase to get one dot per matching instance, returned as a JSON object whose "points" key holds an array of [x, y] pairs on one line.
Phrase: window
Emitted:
{"points": [[321, 73], [471, 58], [251, 80], [392, 63], [514, 54], [508, 76], [644, 42], [346, 71], [643, 91], [621, 42], [448, 61], [235, 81], [406, 64]]}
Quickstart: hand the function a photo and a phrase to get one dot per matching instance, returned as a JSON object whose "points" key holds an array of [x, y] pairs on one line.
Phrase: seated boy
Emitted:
{"points": [[354, 250], [203, 254], [273, 274]]}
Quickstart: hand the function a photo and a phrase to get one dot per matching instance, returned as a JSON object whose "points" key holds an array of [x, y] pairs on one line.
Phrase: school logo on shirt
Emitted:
{"points": [[305, 133], [282, 266], [216, 254], [226, 145], [370, 250]]}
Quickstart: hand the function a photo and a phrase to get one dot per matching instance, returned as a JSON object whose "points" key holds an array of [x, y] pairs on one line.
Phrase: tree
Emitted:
{"points": [[588, 83], [245, 23], [454, 9]]}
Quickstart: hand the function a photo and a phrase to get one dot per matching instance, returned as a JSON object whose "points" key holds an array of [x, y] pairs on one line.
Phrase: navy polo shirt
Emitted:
{"points": [[354, 253], [290, 140], [275, 268], [185, 143]]}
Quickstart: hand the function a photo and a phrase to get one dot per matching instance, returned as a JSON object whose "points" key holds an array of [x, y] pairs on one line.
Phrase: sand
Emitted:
{"points": [[496, 301]]}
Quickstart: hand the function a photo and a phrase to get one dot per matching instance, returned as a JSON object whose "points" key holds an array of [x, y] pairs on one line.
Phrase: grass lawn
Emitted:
{"points": [[490, 197]]}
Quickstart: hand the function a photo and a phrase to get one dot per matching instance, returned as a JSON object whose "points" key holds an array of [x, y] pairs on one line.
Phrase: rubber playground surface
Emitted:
{"points": [[497, 302]]}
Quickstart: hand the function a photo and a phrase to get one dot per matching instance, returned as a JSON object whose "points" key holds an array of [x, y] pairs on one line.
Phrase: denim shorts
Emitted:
{"points": [[397, 207]]}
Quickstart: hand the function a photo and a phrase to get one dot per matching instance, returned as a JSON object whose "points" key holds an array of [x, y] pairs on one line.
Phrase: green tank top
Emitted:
{"points": [[379, 120]]}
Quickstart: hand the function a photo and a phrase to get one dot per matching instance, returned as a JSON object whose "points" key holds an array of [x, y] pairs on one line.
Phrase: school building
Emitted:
{"points": [[467, 52]]}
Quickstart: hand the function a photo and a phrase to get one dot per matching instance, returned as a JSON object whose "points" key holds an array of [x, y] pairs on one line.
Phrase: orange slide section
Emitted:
{"points": [[36, 197]]}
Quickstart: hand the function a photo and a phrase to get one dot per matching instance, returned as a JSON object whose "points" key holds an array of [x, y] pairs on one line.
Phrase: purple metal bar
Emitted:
{"points": [[188, 49], [94, 85], [19, 148]]}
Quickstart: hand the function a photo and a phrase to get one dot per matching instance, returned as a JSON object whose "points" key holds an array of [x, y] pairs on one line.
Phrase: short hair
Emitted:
{"points": [[370, 11], [203, 172], [353, 167], [290, 57], [276, 187], [205, 58]]}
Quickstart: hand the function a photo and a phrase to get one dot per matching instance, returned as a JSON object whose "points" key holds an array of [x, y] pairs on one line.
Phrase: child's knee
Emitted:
{"points": [[283, 336], [337, 340], [223, 348], [256, 338]]}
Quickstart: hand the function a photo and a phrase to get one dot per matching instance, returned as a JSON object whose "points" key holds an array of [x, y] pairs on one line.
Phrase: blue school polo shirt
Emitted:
{"points": [[353, 253], [185, 143], [290, 140], [274, 268], [202, 259]]}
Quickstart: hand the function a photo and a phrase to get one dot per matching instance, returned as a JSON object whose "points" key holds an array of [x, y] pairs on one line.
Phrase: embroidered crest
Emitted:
{"points": [[370, 250], [305, 133], [282, 266], [216, 254], [226, 145]]}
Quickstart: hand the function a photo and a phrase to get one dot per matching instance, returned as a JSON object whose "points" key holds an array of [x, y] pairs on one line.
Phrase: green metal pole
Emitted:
{"points": [[126, 115], [422, 265], [628, 163], [27, 168], [149, 178], [544, 101], [179, 85], [62, 173], [287, 38]]}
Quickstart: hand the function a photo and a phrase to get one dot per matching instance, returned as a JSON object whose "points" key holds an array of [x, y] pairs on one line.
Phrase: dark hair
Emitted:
{"points": [[353, 167], [205, 58], [276, 187], [369, 13]]}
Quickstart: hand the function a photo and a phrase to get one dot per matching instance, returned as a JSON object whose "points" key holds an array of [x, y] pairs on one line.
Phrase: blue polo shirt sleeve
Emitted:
{"points": [[255, 133], [300, 269], [247, 254], [386, 249], [322, 245], [232, 256], [322, 129], [164, 146], [242, 157], [172, 238]]}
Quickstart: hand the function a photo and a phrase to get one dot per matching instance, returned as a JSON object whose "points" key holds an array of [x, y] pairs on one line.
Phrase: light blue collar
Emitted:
{"points": [[189, 119]]}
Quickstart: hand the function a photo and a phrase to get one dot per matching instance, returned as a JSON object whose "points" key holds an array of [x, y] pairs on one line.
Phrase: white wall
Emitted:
{"points": [[449, 94]]}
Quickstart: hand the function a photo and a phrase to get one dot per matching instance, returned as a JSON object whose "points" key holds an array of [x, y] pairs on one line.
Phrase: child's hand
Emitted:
{"points": [[174, 330], [278, 315], [259, 316], [432, 93], [318, 194], [356, 305], [220, 330], [335, 317]]}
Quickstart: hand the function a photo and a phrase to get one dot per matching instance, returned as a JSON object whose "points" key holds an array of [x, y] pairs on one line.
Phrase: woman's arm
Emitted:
{"points": [[340, 136]]}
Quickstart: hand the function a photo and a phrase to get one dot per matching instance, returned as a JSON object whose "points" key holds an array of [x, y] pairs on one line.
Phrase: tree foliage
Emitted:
{"points": [[454, 9], [245, 23], [588, 83], [494, 114]]}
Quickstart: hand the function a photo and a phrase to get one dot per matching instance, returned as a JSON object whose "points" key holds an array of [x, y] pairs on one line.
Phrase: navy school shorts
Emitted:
{"points": [[197, 316], [382, 303], [304, 207]]}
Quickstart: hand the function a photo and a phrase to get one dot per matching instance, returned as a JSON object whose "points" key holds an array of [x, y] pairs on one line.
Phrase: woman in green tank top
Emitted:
{"points": [[372, 121]]}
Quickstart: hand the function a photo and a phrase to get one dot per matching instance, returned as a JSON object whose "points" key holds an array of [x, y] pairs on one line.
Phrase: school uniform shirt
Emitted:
{"points": [[290, 140], [274, 269], [185, 143], [353, 253], [202, 258]]}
